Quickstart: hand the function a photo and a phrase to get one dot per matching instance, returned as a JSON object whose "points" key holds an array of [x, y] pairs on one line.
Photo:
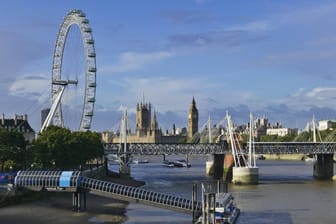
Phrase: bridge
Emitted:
{"points": [[79, 185], [221, 148], [323, 167], [74, 181]]}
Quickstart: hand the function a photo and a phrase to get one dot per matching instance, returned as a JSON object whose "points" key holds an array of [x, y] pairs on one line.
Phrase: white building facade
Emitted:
{"points": [[282, 131]]}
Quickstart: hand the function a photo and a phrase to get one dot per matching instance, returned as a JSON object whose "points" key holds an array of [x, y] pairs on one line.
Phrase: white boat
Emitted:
{"points": [[140, 161], [182, 163], [113, 158], [176, 163], [225, 212], [168, 163], [310, 159]]}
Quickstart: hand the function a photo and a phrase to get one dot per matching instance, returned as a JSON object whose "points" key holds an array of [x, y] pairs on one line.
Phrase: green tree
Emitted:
{"points": [[52, 148], [58, 147], [13, 150], [86, 146], [305, 136], [268, 138]]}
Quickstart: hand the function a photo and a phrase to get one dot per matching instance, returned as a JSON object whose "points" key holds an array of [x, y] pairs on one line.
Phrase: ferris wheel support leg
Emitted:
{"points": [[53, 108]]}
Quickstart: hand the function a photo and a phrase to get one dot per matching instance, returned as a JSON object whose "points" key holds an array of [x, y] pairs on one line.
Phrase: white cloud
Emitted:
{"points": [[306, 99], [131, 61], [36, 87], [321, 93], [166, 93]]}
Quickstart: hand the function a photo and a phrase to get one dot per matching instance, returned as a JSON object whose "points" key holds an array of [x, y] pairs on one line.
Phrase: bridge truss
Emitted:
{"points": [[221, 148], [159, 149]]}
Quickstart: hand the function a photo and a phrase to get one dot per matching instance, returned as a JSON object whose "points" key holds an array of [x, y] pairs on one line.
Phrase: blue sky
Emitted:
{"points": [[274, 58]]}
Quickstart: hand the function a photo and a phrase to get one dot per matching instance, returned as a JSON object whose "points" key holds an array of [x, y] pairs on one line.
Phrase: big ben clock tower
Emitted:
{"points": [[192, 119]]}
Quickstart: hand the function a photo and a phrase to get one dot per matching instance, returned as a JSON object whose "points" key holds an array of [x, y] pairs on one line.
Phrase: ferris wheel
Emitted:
{"points": [[88, 82]]}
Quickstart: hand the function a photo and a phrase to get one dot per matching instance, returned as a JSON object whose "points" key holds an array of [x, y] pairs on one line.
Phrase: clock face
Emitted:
{"points": [[189, 115]]}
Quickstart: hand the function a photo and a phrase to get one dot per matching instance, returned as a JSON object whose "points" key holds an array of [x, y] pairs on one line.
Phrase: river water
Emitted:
{"points": [[287, 193]]}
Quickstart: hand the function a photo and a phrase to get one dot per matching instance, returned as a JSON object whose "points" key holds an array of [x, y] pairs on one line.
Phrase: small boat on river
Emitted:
{"points": [[140, 161], [182, 163], [225, 211], [168, 163], [176, 163]]}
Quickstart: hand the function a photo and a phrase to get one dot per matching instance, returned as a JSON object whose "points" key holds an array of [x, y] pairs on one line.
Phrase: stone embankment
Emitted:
{"points": [[284, 156]]}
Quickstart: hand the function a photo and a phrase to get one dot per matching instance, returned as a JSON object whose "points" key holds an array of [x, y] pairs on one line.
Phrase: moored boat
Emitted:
{"points": [[140, 161], [310, 158], [182, 163], [168, 163], [225, 211]]}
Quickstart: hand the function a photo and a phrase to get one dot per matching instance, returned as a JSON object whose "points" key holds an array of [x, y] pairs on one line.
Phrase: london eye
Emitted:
{"points": [[61, 83]]}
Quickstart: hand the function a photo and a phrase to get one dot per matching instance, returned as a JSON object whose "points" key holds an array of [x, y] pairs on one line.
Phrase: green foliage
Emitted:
{"points": [[245, 137], [325, 135], [13, 151], [60, 148], [305, 136], [276, 138]]}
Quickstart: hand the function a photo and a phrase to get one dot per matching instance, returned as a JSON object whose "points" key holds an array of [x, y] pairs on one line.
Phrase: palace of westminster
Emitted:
{"points": [[147, 128]]}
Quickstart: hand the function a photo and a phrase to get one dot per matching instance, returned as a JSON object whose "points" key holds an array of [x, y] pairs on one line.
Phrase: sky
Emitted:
{"points": [[273, 58]]}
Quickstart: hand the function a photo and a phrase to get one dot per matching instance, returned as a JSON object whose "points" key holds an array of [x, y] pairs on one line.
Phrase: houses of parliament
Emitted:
{"points": [[148, 131]]}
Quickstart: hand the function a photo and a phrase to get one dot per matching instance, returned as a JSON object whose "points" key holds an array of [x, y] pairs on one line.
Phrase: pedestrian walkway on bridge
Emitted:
{"points": [[79, 185]]}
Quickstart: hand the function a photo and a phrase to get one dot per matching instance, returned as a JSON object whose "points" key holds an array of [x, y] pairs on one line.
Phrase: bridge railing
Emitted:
{"points": [[73, 181], [168, 148], [295, 147], [129, 193], [48, 180], [221, 148]]}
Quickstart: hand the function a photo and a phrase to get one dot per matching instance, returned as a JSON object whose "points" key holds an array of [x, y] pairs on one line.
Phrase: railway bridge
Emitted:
{"points": [[323, 167]]}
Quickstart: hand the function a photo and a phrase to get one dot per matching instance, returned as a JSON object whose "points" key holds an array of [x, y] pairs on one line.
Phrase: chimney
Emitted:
{"points": [[25, 117], [15, 119], [3, 119]]}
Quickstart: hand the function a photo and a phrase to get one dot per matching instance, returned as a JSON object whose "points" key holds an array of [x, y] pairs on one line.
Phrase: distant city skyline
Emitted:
{"points": [[272, 58]]}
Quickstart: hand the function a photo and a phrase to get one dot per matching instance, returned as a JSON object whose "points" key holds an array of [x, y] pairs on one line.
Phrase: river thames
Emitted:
{"points": [[287, 193]]}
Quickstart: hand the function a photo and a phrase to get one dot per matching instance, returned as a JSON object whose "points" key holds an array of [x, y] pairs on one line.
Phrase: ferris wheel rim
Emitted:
{"points": [[77, 18]]}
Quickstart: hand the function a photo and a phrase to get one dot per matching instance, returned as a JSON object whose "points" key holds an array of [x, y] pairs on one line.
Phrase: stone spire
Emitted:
{"points": [[154, 124], [192, 119]]}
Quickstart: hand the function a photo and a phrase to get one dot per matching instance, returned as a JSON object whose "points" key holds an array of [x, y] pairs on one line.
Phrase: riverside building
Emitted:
{"points": [[20, 124]]}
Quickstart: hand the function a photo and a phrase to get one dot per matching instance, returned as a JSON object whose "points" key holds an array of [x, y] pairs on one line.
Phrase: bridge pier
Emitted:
{"points": [[245, 175], [79, 201], [124, 165], [324, 166], [218, 165], [124, 161], [228, 165]]}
